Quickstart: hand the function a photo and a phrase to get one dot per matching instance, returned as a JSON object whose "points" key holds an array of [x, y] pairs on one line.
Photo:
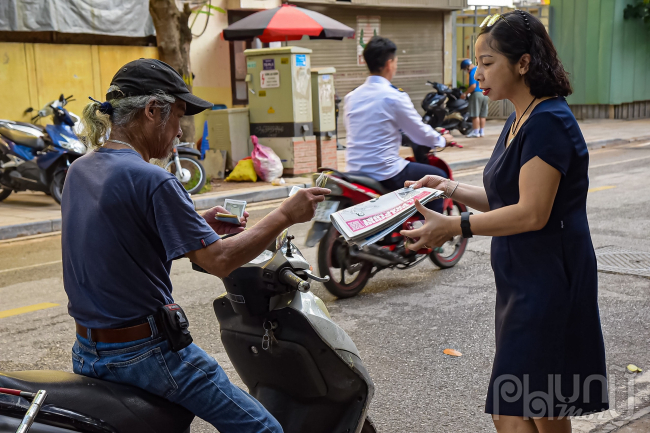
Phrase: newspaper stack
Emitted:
{"points": [[370, 221]]}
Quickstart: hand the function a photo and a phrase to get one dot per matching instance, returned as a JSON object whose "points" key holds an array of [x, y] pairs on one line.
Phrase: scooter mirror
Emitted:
{"points": [[29, 110]]}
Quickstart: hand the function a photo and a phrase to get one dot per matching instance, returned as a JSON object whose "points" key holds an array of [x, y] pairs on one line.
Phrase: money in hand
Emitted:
{"points": [[322, 180]]}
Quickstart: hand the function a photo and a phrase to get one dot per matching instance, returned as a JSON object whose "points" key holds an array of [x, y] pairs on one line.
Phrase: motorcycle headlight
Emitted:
{"points": [[73, 145]]}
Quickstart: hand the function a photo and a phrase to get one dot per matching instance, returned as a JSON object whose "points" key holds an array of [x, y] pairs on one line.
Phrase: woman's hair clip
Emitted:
{"points": [[525, 17], [104, 107]]}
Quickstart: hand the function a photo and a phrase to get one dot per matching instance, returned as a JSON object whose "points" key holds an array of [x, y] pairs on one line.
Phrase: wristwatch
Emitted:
{"points": [[465, 225]]}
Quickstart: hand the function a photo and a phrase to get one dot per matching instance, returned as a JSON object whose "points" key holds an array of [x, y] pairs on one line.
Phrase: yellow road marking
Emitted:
{"points": [[30, 266], [600, 188], [27, 309]]}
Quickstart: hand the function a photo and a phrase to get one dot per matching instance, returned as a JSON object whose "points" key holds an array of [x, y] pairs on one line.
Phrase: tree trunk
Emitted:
{"points": [[173, 36]]}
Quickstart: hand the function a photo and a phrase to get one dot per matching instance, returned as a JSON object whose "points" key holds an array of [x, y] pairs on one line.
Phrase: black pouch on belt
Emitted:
{"points": [[176, 326]]}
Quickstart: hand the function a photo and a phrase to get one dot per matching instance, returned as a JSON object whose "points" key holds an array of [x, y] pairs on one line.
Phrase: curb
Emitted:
{"points": [[272, 193], [29, 229], [200, 203]]}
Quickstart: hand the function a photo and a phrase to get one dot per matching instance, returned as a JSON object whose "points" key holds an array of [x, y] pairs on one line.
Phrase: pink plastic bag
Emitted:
{"points": [[268, 165]]}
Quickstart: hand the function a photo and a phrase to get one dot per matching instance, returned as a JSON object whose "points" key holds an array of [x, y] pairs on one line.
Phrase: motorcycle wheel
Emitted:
{"points": [[347, 279], [4, 193], [450, 253], [368, 426], [197, 173], [56, 187]]}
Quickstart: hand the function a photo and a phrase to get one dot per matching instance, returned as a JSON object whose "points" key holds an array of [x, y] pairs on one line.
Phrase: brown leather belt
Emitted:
{"points": [[120, 335]]}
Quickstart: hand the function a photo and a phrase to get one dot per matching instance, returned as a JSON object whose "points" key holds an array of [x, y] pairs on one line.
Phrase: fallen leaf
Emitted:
{"points": [[453, 352], [633, 369]]}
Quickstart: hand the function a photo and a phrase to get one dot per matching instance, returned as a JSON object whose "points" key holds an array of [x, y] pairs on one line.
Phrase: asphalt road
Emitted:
{"points": [[401, 322]]}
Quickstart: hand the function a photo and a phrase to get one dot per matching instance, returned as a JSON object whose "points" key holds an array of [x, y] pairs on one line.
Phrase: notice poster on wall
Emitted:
{"points": [[367, 27]]}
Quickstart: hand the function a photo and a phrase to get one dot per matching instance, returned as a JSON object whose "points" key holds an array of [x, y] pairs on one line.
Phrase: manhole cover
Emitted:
{"points": [[620, 261]]}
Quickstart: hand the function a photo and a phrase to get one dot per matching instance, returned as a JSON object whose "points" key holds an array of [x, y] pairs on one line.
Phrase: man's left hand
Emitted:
{"points": [[220, 227]]}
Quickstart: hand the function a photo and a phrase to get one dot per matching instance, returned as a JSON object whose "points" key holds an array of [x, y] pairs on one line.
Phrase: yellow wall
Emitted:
{"points": [[34, 74]]}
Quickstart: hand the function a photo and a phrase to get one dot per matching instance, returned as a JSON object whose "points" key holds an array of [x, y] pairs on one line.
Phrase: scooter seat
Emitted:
{"points": [[363, 180], [125, 408], [29, 136]]}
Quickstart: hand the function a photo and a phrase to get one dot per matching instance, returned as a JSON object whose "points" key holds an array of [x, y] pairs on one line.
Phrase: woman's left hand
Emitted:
{"points": [[436, 230]]}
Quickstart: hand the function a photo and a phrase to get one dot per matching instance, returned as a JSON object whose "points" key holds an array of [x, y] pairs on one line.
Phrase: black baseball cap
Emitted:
{"points": [[145, 76]]}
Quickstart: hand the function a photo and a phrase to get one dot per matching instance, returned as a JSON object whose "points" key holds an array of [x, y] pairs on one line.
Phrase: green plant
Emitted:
{"points": [[639, 10], [208, 185], [208, 8]]}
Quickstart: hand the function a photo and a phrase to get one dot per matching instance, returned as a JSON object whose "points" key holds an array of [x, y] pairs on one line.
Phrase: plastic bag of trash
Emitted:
{"points": [[244, 171], [268, 165]]}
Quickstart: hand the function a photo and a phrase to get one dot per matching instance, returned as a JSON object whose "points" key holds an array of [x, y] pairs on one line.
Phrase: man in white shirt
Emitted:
{"points": [[376, 114]]}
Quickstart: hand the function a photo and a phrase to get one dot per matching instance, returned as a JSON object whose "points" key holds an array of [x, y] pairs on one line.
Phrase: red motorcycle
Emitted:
{"points": [[350, 268]]}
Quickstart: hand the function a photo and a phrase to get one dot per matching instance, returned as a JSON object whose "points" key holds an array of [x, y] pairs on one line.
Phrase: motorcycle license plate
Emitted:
{"points": [[324, 210]]}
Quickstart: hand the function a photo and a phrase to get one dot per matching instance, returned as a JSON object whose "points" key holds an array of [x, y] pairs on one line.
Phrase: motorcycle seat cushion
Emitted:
{"points": [[30, 139], [125, 408], [363, 180]]}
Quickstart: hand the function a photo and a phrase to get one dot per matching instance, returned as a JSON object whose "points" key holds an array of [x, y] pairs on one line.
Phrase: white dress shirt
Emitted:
{"points": [[375, 113]]}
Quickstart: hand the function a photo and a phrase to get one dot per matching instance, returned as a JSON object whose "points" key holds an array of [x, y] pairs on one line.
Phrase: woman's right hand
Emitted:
{"points": [[429, 181]]}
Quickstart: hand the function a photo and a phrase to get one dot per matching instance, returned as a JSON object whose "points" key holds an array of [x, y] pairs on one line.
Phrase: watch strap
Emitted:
{"points": [[465, 226]]}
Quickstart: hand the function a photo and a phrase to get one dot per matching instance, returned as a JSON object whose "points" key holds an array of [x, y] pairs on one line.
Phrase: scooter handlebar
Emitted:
{"points": [[289, 278]]}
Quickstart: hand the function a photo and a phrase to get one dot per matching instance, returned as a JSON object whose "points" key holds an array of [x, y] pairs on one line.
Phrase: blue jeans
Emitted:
{"points": [[415, 171], [189, 377]]}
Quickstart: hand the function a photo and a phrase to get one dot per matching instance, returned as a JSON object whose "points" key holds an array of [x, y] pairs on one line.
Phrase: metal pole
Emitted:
{"points": [[454, 51], [33, 410]]}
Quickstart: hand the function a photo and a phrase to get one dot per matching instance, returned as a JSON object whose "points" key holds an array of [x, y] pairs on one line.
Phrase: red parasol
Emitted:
{"points": [[287, 23]]}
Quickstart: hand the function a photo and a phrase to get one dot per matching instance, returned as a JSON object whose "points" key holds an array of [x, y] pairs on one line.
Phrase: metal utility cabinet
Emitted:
{"points": [[280, 105], [324, 108]]}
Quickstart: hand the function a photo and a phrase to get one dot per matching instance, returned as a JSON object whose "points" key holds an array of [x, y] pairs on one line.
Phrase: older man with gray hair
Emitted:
{"points": [[124, 222]]}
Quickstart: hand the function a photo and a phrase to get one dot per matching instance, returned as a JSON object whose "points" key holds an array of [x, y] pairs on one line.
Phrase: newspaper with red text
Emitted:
{"points": [[370, 221]]}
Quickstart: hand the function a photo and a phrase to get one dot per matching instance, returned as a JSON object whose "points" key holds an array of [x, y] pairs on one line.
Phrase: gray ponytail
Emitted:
{"points": [[96, 125]]}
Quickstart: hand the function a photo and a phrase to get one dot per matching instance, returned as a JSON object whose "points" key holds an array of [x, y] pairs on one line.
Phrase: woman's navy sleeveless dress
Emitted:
{"points": [[550, 355]]}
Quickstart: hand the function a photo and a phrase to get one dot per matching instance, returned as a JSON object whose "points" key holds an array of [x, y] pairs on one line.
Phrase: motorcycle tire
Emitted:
{"points": [[331, 250], [368, 426], [198, 178], [56, 187], [440, 258], [4, 193]]}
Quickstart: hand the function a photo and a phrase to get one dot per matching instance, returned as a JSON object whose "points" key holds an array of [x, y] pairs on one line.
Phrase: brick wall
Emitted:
{"points": [[326, 152], [304, 154]]}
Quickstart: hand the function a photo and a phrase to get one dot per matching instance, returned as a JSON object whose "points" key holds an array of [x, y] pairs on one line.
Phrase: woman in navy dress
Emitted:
{"points": [[550, 355]]}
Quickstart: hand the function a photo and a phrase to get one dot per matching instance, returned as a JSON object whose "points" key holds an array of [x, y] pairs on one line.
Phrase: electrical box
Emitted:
{"points": [[280, 104], [229, 130], [279, 96], [324, 108]]}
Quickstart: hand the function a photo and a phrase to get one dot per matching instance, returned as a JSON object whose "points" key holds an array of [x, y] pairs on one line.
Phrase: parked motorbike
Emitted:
{"points": [[444, 108], [348, 267], [185, 164], [279, 337], [36, 158]]}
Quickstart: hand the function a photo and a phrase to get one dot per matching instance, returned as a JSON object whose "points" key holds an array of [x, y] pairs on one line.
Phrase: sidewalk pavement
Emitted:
{"points": [[29, 213]]}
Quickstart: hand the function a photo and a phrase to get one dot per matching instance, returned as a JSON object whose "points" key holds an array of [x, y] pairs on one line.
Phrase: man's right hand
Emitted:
{"points": [[301, 207]]}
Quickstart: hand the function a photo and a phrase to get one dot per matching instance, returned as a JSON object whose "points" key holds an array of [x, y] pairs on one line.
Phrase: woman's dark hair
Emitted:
{"points": [[377, 52], [518, 33]]}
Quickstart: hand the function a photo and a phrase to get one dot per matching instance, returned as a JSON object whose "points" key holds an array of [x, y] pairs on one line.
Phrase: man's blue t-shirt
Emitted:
{"points": [[472, 80], [123, 222]]}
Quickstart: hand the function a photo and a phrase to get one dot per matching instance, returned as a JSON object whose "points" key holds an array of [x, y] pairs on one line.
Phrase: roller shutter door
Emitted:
{"points": [[417, 34]]}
